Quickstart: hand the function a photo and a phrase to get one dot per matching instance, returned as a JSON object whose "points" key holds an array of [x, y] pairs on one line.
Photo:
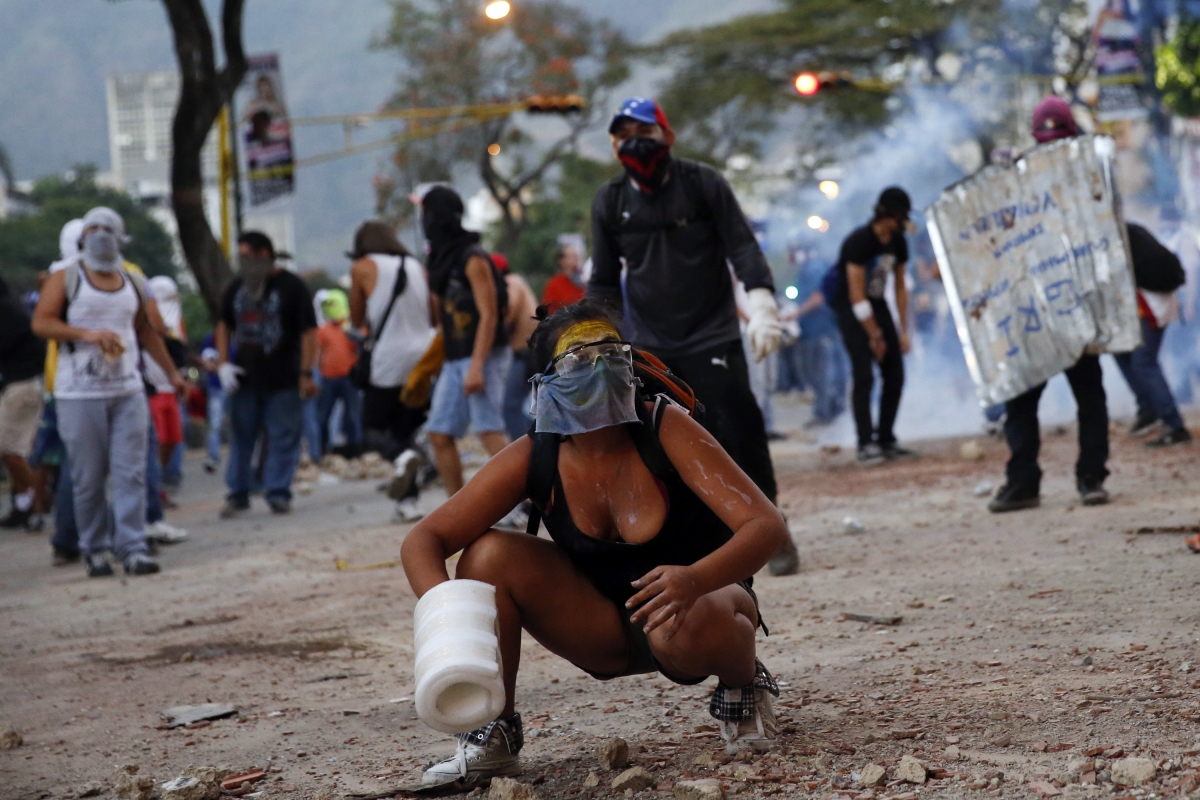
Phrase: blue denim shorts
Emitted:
{"points": [[452, 412]]}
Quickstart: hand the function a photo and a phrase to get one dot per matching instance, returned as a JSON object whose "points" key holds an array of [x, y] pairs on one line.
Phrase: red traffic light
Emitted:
{"points": [[807, 84]]}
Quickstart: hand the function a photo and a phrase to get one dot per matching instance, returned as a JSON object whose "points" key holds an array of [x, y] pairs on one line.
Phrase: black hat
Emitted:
{"points": [[895, 202]]}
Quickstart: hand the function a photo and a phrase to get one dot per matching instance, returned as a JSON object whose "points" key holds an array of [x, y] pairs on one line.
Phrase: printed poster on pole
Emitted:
{"points": [[265, 131]]}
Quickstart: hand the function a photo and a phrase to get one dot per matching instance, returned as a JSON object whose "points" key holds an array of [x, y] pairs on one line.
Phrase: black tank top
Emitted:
{"points": [[690, 531]]}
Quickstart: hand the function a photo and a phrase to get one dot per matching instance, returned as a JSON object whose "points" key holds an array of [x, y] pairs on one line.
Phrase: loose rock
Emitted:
{"points": [[1044, 789], [132, 786], [971, 451], [851, 525], [953, 753], [508, 789], [634, 778], [591, 781], [93, 789], [613, 754], [1077, 765], [871, 775], [10, 740], [911, 770], [1133, 771], [186, 788], [707, 789]]}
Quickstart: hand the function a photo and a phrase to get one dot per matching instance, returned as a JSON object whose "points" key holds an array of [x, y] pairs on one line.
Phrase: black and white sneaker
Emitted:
{"points": [[140, 564], [1171, 438], [485, 753], [407, 464], [893, 451], [870, 454], [1092, 492], [1014, 498], [746, 716], [1143, 425], [97, 565]]}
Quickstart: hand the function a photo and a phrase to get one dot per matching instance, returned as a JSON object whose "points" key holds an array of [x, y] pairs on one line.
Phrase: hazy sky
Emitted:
{"points": [[55, 54]]}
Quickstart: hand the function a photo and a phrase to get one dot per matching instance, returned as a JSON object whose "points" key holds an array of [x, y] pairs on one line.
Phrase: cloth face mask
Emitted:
{"points": [[585, 400], [646, 160], [101, 251], [254, 272]]}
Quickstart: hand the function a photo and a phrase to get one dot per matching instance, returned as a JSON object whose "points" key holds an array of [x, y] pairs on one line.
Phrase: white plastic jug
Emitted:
{"points": [[460, 683]]}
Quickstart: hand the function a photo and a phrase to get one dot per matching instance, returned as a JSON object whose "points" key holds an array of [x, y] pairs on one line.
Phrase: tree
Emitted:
{"points": [[204, 90], [567, 210], [732, 82], [452, 55], [29, 243]]}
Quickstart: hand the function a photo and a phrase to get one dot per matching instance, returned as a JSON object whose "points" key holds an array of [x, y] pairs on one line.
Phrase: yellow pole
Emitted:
{"points": [[224, 172]]}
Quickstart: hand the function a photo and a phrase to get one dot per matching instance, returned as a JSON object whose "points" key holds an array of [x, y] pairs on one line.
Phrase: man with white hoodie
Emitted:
{"points": [[96, 311]]}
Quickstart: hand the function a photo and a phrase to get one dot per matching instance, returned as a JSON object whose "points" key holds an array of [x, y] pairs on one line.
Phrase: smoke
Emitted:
{"points": [[932, 141]]}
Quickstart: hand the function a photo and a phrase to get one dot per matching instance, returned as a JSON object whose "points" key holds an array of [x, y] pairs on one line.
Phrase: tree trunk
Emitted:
{"points": [[203, 91]]}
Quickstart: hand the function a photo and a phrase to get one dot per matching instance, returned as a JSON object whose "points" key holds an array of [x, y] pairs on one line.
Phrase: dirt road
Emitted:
{"points": [[1035, 649]]}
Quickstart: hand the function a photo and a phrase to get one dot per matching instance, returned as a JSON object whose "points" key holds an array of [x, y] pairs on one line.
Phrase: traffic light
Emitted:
{"points": [[555, 103], [809, 83]]}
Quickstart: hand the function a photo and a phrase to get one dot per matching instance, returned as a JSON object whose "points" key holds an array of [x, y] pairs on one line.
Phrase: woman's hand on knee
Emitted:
{"points": [[666, 594]]}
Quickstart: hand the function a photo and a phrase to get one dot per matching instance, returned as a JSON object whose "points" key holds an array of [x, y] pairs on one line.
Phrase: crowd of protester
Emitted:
{"points": [[412, 356]]}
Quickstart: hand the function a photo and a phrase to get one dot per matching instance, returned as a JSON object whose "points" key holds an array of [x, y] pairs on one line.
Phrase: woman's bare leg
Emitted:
{"points": [[538, 589], [717, 638]]}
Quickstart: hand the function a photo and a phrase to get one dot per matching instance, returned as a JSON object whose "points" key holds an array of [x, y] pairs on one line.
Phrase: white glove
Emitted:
{"points": [[227, 374], [763, 329]]}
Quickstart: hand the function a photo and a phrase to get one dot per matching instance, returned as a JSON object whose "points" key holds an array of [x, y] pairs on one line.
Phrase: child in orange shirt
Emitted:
{"points": [[337, 351]]}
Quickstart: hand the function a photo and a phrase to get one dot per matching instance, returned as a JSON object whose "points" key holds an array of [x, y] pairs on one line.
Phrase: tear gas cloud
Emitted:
{"points": [[930, 143]]}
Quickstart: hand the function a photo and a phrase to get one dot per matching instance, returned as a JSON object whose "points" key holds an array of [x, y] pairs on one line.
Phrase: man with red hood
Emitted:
{"points": [[1052, 119], [675, 227]]}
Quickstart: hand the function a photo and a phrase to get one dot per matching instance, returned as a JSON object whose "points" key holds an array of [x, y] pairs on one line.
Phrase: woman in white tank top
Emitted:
{"points": [[407, 332], [404, 336]]}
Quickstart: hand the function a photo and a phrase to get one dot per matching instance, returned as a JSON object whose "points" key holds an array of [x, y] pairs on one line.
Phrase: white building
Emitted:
{"points": [[141, 110]]}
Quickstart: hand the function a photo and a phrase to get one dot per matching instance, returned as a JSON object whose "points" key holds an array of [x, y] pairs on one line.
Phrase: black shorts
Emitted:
{"points": [[641, 657]]}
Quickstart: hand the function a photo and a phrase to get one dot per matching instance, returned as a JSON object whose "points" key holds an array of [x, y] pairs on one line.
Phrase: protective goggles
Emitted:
{"points": [[585, 356]]}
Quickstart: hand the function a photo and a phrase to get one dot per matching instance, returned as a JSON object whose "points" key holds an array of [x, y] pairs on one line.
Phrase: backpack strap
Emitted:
{"points": [[539, 480], [73, 280], [645, 438]]}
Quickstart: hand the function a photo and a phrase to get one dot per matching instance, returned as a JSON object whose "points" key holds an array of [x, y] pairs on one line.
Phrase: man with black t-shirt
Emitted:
{"points": [[854, 288], [676, 227], [267, 315], [471, 299]]}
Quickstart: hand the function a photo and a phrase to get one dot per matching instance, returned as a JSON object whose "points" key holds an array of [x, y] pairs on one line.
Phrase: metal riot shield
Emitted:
{"points": [[1035, 258]]}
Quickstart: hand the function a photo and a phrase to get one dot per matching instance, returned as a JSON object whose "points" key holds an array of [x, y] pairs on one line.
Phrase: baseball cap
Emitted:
{"points": [[642, 109], [896, 202], [1052, 119]]}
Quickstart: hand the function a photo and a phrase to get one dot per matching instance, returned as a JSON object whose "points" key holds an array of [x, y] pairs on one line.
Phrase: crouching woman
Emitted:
{"points": [[654, 536]]}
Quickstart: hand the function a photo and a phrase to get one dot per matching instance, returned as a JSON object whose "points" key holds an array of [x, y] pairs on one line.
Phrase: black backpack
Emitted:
{"points": [[1155, 268]]}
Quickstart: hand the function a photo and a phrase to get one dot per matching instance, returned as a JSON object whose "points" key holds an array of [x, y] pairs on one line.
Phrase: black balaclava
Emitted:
{"points": [[441, 219]]}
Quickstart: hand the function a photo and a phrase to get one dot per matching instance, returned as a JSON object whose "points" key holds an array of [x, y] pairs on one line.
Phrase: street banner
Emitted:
{"points": [[1035, 259], [266, 132], [1118, 66]]}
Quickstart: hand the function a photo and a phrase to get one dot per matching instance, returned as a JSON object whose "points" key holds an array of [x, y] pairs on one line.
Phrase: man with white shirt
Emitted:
{"points": [[96, 311]]}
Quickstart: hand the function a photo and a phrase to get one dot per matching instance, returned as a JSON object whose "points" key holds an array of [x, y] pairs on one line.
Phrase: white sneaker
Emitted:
{"points": [[407, 510], [405, 476], [746, 716], [165, 533], [483, 754]]}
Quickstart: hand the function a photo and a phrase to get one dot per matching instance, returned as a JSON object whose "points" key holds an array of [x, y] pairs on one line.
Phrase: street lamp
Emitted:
{"points": [[497, 9], [818, 224], [493, 149], [829, 188]]}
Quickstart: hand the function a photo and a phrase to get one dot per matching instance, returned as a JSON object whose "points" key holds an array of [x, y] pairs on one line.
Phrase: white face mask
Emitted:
{"points": [[101, 251]]}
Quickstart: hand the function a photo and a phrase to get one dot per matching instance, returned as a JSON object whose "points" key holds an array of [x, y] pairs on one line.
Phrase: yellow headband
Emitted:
{"points": [[585, 332]]}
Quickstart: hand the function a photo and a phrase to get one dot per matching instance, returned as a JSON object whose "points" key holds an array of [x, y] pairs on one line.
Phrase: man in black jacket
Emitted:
{"points": [[22, 360], [677, 227]]}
